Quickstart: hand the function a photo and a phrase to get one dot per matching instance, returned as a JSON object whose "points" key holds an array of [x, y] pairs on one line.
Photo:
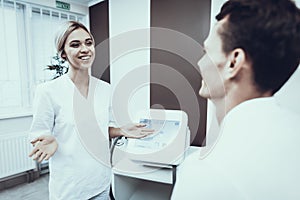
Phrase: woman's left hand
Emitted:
{"points": [[136, 131]]}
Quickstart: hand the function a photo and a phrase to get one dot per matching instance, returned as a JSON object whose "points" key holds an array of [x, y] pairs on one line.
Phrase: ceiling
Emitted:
{"points": [[93, 2], [84, 2]]}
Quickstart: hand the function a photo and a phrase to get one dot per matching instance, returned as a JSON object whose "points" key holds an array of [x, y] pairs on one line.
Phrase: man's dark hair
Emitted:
{"points": [[269, 32]]}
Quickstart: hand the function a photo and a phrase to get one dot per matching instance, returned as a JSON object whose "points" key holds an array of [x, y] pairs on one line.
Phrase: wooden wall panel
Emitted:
{"points": [[191, 17], [99, 26]]}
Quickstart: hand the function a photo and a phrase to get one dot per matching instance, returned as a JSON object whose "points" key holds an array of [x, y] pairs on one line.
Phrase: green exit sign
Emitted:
{"points": [[63, 5]]}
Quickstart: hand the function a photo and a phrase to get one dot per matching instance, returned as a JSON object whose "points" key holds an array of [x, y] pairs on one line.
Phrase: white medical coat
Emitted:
{"points": [[74, 172]]}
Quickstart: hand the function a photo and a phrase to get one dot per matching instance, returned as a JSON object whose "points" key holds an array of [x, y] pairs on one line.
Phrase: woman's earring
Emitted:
{"points": [[63, 57]]}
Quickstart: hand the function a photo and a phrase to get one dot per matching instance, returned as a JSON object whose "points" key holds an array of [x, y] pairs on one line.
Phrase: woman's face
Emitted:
{"points": [[79, 49]]}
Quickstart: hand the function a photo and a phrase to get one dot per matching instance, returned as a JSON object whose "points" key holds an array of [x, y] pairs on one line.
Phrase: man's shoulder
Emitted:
{"points": [[252, 109], [259, 107], [262, 117]]}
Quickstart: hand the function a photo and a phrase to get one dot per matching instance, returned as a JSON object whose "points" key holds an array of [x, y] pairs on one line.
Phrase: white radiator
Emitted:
{"points": [[14, 150]]}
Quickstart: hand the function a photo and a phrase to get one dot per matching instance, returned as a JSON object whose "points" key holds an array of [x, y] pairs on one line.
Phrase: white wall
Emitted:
{"points": [[212, 126], [14, 125], [289, 96], [126, 18]]}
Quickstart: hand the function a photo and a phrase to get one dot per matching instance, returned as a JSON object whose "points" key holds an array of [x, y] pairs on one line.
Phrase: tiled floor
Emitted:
{"points": [[37, 190]]}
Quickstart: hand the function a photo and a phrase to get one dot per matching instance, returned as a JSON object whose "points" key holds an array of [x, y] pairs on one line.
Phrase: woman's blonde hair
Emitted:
{"points": [[66, 29]]}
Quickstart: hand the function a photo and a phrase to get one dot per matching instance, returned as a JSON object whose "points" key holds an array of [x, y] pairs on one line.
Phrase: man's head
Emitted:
{"points": [[269, 33], [254, 40]]}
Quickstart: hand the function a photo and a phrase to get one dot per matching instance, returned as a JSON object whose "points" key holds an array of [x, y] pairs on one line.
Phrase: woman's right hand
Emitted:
{"points": [[44, 147]]}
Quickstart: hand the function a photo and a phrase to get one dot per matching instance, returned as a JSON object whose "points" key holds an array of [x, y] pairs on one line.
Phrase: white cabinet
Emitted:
{"points": [[134, 181]]}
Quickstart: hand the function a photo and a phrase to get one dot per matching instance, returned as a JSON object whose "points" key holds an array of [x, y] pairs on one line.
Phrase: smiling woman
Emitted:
{"points": [[71, 122], [54, 130]]}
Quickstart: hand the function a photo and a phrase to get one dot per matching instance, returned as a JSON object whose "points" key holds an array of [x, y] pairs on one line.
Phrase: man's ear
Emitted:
{"points": [[237, 61]]}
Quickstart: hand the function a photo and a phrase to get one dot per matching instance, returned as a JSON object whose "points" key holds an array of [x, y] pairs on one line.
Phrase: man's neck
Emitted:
{"points": [[234, 98]]}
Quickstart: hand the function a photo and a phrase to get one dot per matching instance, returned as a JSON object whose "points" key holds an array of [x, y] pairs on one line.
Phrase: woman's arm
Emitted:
{"points": [[40, 133]]}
